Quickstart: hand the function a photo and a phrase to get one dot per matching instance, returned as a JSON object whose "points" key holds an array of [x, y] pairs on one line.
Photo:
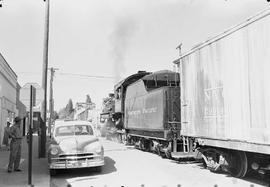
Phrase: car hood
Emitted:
{"points": [[76, 144]]}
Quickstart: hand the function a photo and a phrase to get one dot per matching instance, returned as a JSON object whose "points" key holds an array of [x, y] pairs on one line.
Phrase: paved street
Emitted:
{"points": [[126, 166]]}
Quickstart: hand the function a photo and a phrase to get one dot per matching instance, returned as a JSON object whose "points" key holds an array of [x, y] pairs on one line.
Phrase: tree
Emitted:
{"points": [[55, 115], [67, 112], [62, 113], [89, 104], [88, 99], [69, 107]]}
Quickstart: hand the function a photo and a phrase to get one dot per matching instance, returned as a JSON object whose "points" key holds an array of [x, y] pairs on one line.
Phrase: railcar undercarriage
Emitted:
{"points": [[237, 163], [159, 146]]}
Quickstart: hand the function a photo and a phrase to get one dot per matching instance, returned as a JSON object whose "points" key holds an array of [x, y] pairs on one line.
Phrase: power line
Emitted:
{"points": [[90, 76], [24, 72], [72, 74]]}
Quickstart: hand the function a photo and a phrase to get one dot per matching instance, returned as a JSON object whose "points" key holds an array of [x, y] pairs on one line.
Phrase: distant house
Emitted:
{"points": [[25, 96], [83, 111]]}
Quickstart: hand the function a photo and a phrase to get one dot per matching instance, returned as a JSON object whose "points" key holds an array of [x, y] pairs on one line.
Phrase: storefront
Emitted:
{"points": [[8, 90]]}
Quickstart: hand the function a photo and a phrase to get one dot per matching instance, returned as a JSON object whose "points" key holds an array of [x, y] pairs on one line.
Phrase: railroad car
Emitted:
{"points": [[147, 108], [225, 97]]}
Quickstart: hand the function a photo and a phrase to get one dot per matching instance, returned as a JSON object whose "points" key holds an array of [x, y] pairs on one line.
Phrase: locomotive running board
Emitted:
{"points": [[147, 137]]}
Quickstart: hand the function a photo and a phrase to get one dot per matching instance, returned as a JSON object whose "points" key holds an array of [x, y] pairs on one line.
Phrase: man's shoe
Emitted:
{"points": [[9, 171], [17, 170]]}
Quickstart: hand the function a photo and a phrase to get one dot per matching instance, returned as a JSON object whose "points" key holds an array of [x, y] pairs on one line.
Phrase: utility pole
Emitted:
{"points": [[51, 106], [179, 47], [42, 139], [30, 135]]}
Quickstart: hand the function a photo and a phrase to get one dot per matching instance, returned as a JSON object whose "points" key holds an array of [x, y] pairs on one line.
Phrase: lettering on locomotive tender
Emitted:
{"points": [[142, 111]]}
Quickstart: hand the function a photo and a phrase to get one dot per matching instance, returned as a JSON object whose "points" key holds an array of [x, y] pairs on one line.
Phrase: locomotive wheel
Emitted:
{"points": [[151, 146], [129, 140], [239, 164], [141, 144], [158, 151], [168, 152], [125, 140], [147, 145]]}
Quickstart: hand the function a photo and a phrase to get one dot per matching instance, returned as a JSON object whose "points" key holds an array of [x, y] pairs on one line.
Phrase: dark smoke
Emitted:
{"points": [[120, 39]]}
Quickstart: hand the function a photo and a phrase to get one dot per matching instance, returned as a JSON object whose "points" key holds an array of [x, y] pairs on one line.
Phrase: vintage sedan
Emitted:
{"points": [[74, 145]]}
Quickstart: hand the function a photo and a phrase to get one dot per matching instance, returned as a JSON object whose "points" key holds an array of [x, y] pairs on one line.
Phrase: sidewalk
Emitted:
{"points": [[40, 174]]}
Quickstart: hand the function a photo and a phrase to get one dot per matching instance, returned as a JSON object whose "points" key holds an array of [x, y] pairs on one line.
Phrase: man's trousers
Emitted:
{"points": [[15, 154]]}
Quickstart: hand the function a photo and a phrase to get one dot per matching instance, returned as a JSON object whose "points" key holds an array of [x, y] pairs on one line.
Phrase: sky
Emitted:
{"points": [[109, 38]]}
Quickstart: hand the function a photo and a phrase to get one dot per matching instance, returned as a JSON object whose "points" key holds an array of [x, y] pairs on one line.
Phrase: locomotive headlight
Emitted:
{"points": [[54, 151]]}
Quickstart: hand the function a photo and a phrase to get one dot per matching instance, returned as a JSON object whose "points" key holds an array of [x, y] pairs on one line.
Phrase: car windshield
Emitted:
{"points": [[71, 130]]}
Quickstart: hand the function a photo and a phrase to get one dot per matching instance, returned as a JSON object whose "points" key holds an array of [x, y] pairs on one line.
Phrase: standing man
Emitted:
{"points": [[6, 135], [15, 146]]}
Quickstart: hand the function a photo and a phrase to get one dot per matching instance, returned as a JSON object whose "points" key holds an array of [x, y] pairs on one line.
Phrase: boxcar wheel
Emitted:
{"points": [[239, 164]]}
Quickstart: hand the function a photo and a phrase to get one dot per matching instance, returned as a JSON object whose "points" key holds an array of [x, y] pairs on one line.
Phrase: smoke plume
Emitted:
{"points": [[120, 40]]}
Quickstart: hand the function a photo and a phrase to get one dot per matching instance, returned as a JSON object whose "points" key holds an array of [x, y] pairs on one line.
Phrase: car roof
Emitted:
{"points": [[74, 122]]}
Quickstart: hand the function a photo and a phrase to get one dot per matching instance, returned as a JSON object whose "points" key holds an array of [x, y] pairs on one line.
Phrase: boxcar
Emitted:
{"points": [[225, 97]]}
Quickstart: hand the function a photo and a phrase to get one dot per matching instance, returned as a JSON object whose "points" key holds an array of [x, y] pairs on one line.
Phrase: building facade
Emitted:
{"points": [[25, 96], [8, 95]]}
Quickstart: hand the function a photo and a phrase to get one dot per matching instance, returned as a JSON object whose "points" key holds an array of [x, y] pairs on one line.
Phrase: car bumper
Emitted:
{"points": [[77, 163]]}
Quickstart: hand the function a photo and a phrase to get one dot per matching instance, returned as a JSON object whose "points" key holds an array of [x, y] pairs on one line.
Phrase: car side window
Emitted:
{"points": [[74, 130], [83, 130], [90, 130]]}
